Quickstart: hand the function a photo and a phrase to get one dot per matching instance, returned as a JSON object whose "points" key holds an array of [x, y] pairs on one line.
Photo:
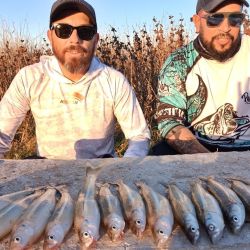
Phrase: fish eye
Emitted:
{"points": [[138, 222], [114, 228], [235, 219], [17, 239], [161, 232], [211, 227], [85, 235], [193, 229]]}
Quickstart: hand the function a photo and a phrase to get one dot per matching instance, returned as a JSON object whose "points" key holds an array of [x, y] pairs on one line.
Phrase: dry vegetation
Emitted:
{"points": [[139, 56]]}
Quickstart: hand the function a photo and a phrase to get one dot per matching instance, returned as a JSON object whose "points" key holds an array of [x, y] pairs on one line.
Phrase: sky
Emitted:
{"points": [[32, 16]]}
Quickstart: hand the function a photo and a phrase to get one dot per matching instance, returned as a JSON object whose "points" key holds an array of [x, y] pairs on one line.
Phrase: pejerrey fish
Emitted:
{"points": [[9, 215], [111, 213], [87, 214], [8, 199], [134, 208], [184, 212], [32, 224], [243, 191], [208, 211], [60, 222], [159, 213], [230, 203]]}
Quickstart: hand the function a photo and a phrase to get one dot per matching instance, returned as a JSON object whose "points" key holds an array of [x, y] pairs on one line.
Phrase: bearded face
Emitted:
{"points": [[221, 41], [221, 51], [73, 54], [74, 58]]}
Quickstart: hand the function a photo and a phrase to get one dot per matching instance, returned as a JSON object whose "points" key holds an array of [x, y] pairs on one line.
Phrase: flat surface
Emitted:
{"points": [[181, 169]]}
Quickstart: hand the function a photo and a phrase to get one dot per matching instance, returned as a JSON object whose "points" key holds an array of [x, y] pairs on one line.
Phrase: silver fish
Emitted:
{"points": [[243, 191], [159, 213], [111, 212], [10, 214], [87, 214], [8, 199], [33, 222], [230, 203], [60, 222], [134, 208], [184, 212], [208, 211]]}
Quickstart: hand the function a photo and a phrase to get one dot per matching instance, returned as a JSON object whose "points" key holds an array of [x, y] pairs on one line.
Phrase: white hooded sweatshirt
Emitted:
{"points": [[74, 120]]}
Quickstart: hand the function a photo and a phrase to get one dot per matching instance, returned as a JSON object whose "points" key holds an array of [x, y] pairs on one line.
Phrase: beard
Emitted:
{"points": [[75, 65], [225, 54]]}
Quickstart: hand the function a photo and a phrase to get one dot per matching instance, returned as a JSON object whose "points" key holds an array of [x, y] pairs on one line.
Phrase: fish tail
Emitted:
{"points": [[99, 185], [139, 184], [195, 182], [234, 180], [165, 185], [91, 170], [119, 182]]}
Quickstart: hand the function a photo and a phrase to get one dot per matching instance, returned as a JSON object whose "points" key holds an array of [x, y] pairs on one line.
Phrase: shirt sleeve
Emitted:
{"points": [[172, 96], [131, 119], [13, 108]]}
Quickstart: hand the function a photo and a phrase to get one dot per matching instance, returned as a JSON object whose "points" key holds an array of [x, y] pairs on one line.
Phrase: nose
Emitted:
{"points": [[74, 38], [225, 26]]}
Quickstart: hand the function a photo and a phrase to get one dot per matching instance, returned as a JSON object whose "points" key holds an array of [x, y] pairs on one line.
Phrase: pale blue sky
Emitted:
{"points": [[32, 16]]}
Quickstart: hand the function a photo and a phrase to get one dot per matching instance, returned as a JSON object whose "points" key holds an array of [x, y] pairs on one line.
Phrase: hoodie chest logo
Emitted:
{"points": [[75, 98]]}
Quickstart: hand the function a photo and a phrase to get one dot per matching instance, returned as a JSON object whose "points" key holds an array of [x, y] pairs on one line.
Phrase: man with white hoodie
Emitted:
{"points": [[74, 98]]}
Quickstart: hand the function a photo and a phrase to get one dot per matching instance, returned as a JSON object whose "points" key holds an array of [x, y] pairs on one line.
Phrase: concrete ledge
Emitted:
{"points": [[181, 169]]}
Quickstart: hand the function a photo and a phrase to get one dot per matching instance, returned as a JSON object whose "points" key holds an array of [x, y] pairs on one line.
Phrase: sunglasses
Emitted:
{"points": [[235, 19], [64, 31]]}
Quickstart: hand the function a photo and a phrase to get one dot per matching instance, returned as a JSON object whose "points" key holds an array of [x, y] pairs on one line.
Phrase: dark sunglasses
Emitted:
{"points": [[64, 31], [235, 19]]}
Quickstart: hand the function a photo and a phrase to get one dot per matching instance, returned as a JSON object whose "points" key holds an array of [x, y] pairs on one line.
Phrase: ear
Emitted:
{"points": [[97, 36], [49, 34], [197, 22]]}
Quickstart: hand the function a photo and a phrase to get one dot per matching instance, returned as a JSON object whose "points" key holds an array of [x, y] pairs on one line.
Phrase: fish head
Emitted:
{"points": [[236, 217], [192, 229], [116, 226], [21, 237], [214, 228], [162, 230], [86, 238], [138, 223], [88, 234], [54, 237]]}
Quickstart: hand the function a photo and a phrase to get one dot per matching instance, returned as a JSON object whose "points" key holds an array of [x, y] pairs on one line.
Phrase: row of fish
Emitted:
{"points": [[28, 214], [210, 205]]}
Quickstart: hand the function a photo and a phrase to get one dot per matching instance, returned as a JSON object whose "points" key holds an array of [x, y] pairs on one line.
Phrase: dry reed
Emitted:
{"points": [[139, 56]]}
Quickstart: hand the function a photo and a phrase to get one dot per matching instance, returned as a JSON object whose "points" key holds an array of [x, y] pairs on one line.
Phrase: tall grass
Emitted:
{"points": [[139, 56]]}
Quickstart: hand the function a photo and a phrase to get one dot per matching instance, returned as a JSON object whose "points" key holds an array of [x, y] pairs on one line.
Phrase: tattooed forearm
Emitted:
{"points": [[184, 142], [187, 147]]}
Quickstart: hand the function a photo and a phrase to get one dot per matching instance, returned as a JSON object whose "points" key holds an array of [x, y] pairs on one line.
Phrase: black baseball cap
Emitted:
{"points": [[78, 5], [210, 5]]}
